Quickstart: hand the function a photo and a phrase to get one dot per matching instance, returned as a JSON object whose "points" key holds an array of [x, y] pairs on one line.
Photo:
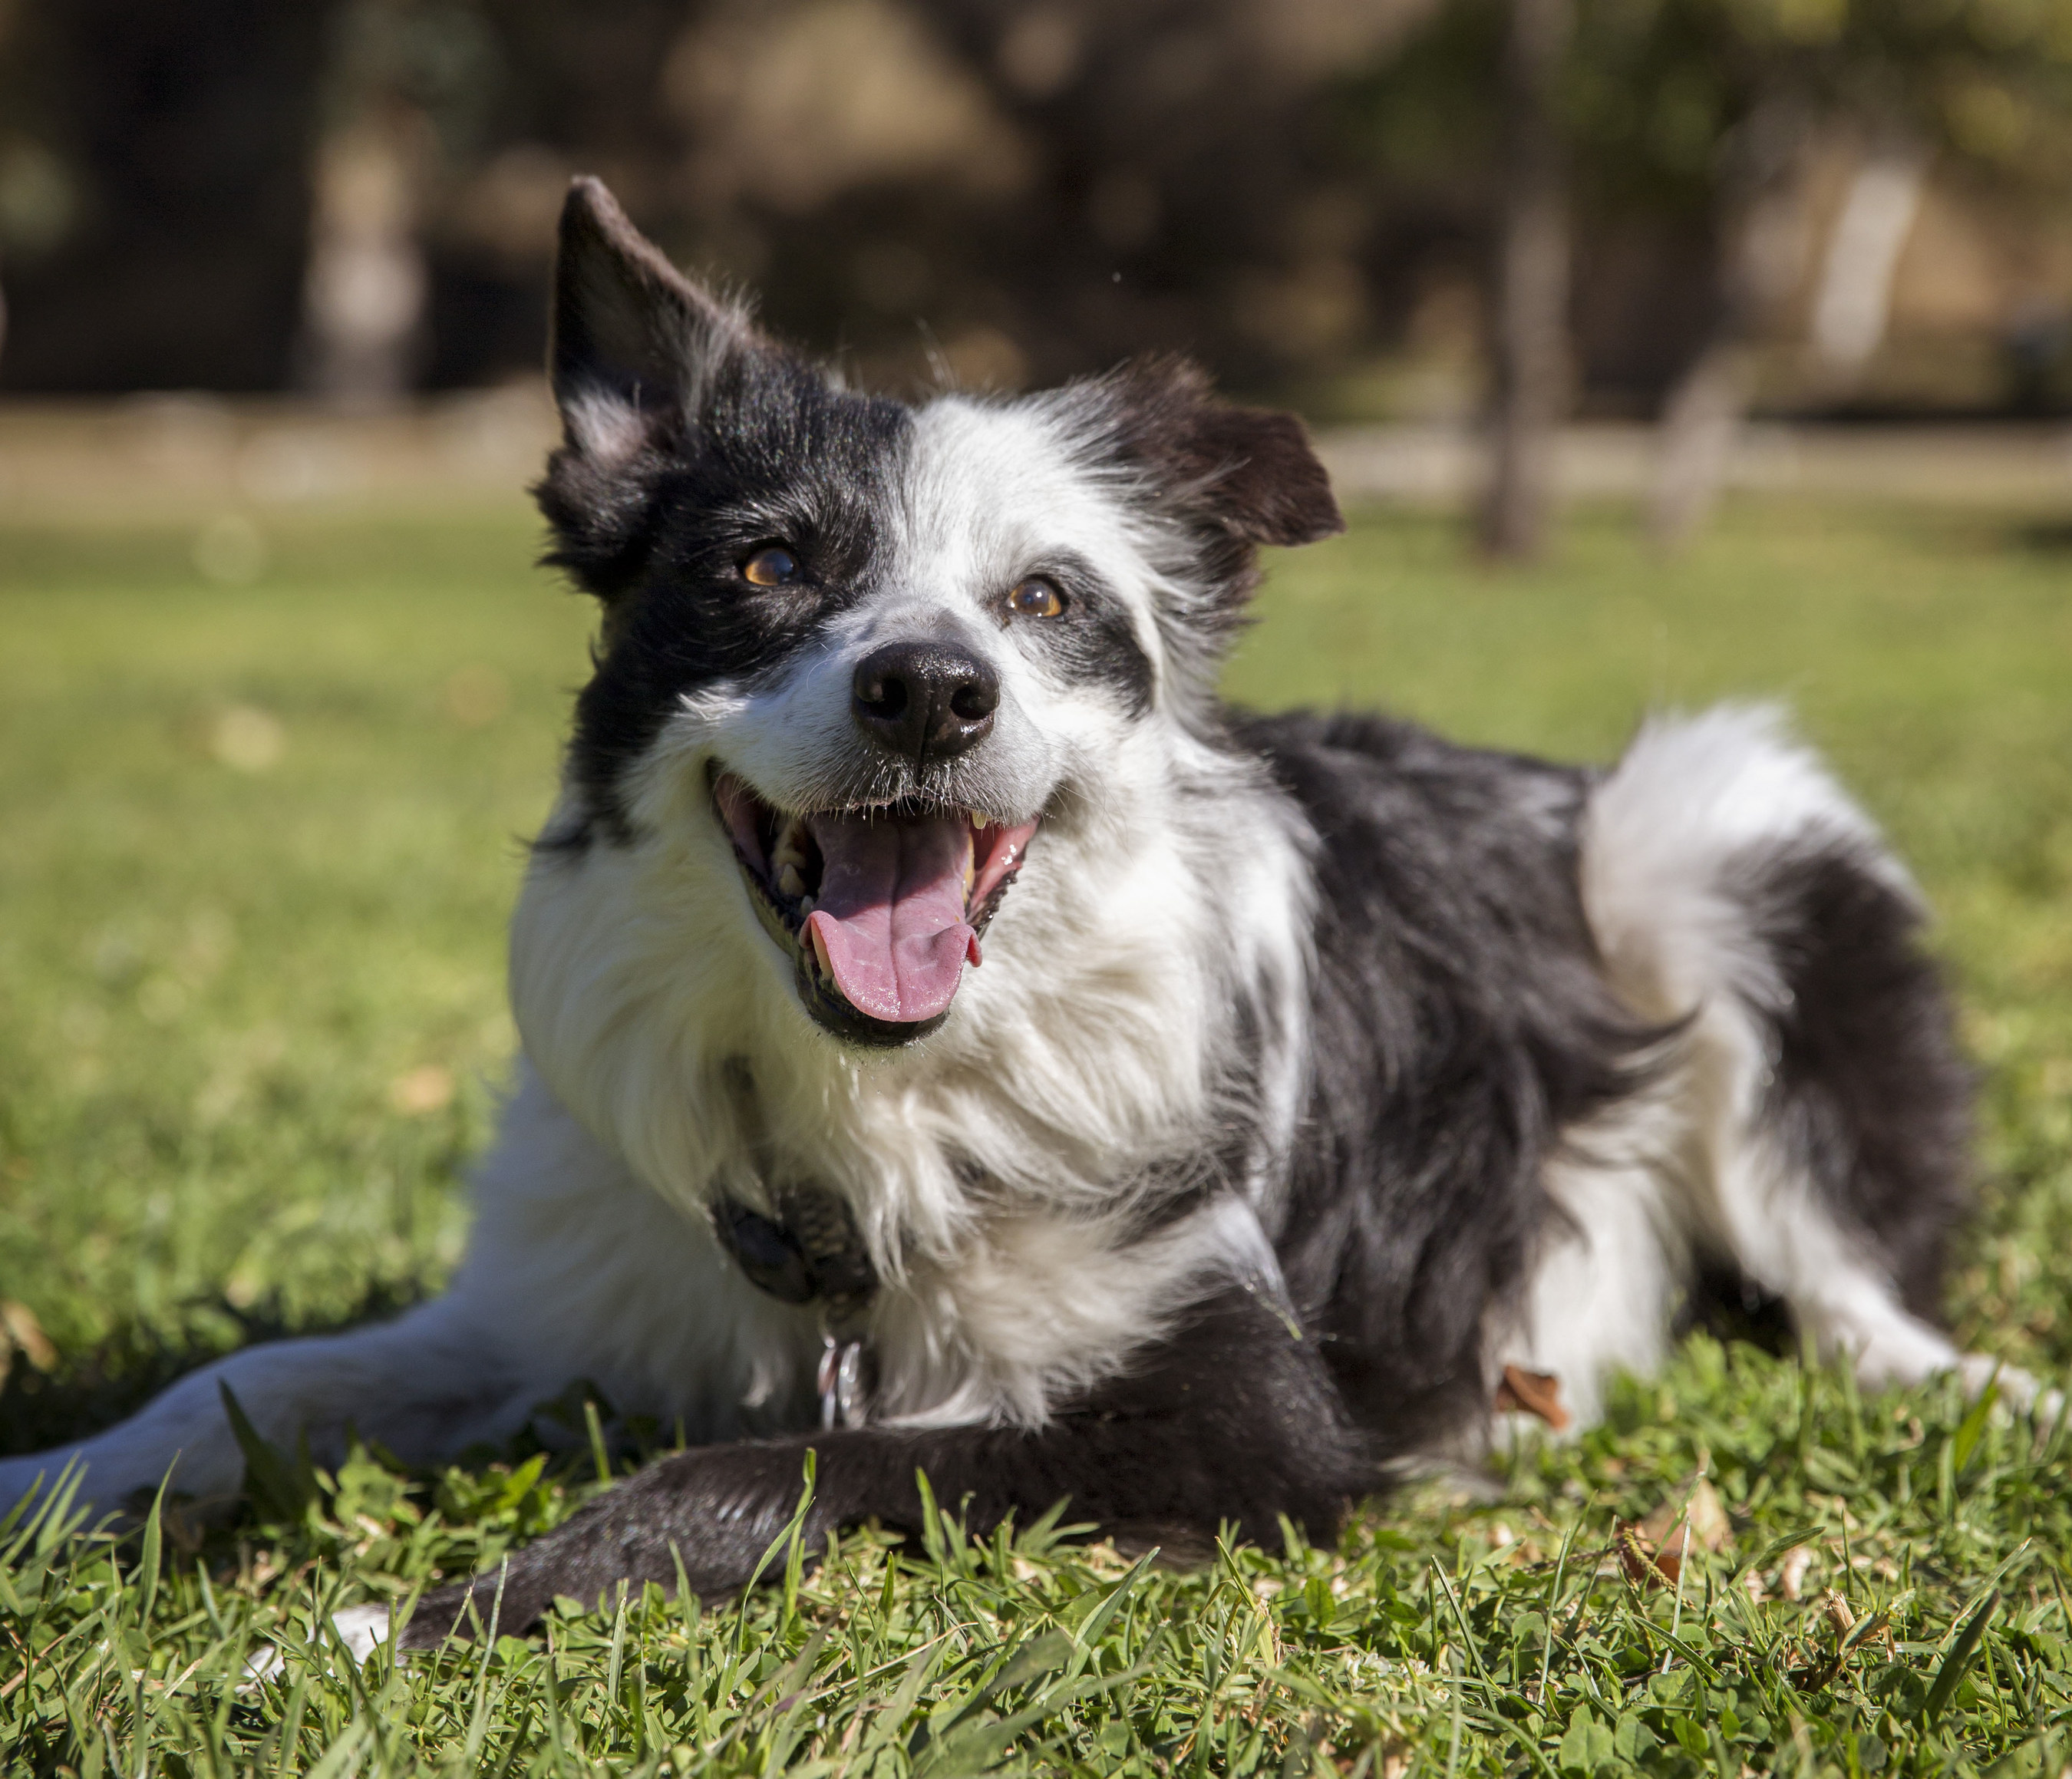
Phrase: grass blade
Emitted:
{"points": [[1972, 1428], [1958, 1659], [147, 1563]]}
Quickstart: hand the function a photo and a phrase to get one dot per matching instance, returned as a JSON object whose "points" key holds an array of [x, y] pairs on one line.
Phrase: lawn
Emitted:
{"points": [[264, 795]]}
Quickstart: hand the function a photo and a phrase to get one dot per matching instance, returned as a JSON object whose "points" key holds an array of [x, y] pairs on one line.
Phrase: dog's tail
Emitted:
{"points": [[1730, 881]]}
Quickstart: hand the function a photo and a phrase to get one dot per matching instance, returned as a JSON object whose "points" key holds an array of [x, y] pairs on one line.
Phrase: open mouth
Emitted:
{"points": [[879, 909]]}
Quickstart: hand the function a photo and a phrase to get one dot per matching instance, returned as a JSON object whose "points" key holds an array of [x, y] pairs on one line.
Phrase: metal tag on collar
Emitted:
{"points": [[845, 1394]]}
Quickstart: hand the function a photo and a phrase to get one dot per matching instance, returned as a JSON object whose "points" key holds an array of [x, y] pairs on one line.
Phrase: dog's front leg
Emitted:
{"points": [[1232, 1419]]}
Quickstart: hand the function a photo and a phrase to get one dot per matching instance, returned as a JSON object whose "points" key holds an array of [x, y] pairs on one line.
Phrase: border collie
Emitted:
{"points": [[955, 1043]]}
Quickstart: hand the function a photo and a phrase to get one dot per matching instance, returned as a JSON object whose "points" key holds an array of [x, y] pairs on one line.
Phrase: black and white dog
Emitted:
{"points": [[1316, 1071]]}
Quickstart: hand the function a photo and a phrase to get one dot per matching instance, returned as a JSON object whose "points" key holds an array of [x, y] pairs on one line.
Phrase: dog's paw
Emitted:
{"points": [[361, 1629]]}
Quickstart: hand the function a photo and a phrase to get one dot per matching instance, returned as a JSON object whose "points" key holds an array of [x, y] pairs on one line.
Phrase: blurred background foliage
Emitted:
{"points": [[1814, 206]]}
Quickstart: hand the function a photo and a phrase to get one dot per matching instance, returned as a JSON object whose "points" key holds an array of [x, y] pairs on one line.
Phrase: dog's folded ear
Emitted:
{"points": [[1249, 471], [633, 341]]}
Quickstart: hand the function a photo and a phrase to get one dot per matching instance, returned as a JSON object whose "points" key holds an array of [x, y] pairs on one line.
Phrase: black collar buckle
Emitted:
{"points": [[812, 1252]]}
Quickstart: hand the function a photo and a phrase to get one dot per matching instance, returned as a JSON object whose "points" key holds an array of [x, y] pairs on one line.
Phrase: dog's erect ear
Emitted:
{"points": [[633, 340], [636, 347], [1249, 471]]}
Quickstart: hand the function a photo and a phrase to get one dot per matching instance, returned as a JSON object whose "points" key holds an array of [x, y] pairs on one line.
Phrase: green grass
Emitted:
{"points": [[259, 844]]}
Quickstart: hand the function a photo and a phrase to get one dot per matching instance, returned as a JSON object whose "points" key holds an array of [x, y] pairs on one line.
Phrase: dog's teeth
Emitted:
{"points": [[789, 881], [820, 952], [978, 823], [791, 847], [805, 907]]}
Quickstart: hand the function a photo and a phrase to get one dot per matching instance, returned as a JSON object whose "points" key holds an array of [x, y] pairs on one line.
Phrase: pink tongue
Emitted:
{"points": [[890, 915]]}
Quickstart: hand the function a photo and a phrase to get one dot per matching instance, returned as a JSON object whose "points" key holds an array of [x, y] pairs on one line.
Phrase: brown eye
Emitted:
{"points": [[770, 566], [1035, 597]]}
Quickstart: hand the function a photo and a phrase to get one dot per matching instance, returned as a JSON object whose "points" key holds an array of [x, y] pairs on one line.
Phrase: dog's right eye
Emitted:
{"points": [[1035, 597], [770, 566]]}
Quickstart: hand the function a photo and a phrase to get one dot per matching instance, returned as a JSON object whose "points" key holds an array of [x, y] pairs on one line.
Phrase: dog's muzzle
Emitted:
{"points": [[879, 907]]}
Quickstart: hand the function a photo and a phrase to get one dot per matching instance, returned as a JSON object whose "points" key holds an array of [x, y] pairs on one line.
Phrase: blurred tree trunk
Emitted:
{"points": [[1853, 301], [1760, 254], [363, 294], [1531, 330]]}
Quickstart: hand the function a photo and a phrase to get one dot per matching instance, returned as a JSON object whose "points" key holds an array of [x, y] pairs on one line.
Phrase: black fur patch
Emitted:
{"points": [[1870, 1092], [773, 454], [1461, 1022]]}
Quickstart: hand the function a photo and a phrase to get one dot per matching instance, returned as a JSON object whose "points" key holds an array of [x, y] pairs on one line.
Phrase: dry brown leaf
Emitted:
{"points": [[1709, 1524], [1793, 1574], [1710, 1528], [422, 1091], [1644, 1566], [1532, 1393]]}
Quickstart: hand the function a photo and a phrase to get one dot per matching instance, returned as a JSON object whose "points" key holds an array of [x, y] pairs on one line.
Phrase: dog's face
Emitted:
{"points": [[886, 643]]}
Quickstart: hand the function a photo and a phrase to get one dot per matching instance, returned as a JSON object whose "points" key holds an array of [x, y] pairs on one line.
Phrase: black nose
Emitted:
{"points": [[925, 701]]}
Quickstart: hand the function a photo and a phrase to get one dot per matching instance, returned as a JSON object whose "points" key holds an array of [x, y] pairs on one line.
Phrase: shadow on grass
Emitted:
{"points": [[2044, 536], [86, 1393]]}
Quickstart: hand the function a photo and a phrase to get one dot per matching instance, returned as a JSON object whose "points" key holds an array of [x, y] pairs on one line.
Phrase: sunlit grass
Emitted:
{"points": [[260, 842]]}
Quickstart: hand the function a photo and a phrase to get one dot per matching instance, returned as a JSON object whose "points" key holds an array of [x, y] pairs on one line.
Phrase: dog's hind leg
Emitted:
{"points": [[1827, 1109], [1601, 1291]]}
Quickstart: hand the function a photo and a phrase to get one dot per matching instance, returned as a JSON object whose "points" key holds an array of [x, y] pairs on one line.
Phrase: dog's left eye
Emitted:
{"points": [[1035, 597], [770, 566]]}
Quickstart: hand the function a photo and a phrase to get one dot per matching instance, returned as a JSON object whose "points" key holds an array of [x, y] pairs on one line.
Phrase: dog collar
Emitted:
{"points": [[811, 1252]]}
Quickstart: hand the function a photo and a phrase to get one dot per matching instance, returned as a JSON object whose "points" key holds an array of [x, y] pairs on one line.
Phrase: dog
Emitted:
{"points": [[956, 1045]]}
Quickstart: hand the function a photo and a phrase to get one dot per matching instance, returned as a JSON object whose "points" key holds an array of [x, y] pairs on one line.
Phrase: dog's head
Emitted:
{"points": [[886, 644]]}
